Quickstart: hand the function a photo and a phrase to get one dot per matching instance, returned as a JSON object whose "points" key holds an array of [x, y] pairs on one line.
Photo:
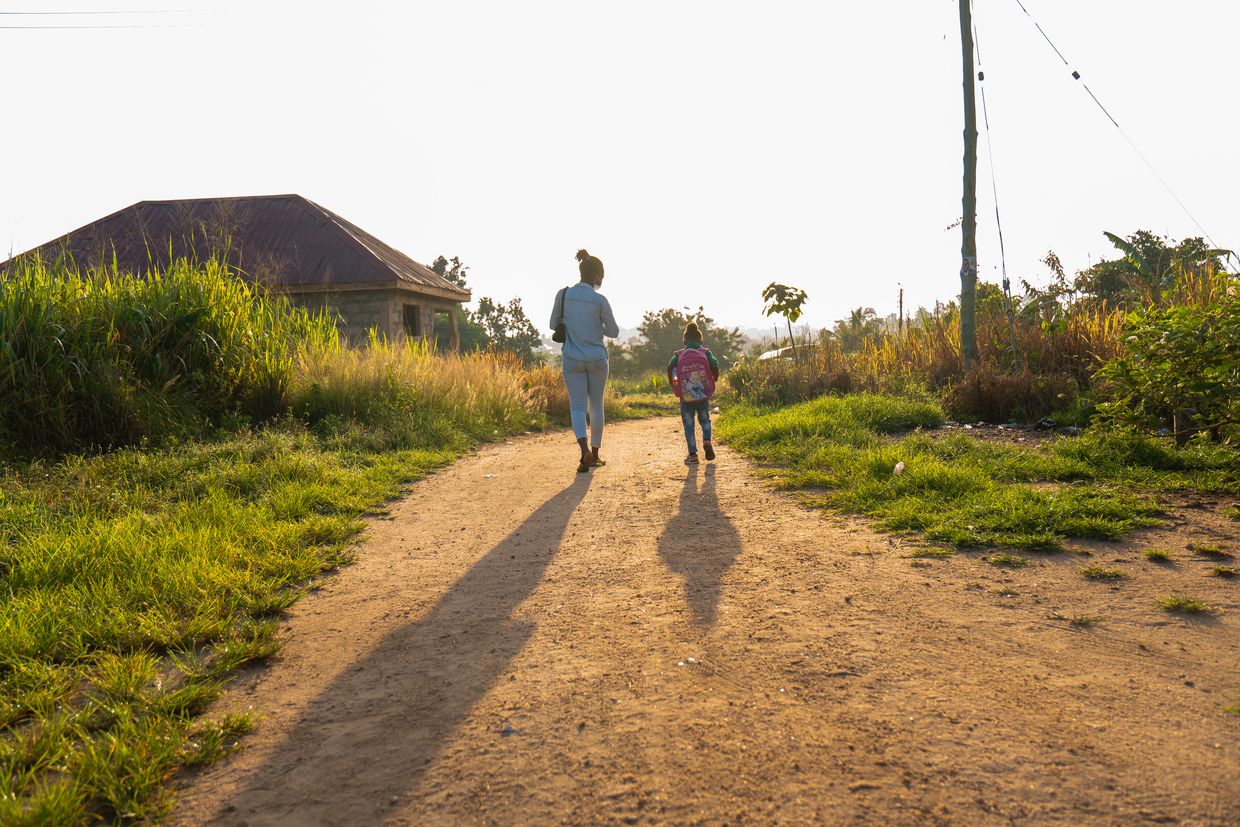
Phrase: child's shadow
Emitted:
{"points": [[700, 543]]}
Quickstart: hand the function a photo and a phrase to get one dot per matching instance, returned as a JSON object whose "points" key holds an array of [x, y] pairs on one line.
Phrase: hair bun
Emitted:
{"points": [[583, 254]]}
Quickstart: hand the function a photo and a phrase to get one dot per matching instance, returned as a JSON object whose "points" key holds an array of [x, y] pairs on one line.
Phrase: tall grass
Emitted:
{"points": [[102, 358], [407, 396], [1053, 363]]}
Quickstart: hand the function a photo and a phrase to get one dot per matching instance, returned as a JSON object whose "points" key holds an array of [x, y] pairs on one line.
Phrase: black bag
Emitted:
{"points": [[560, 331]]}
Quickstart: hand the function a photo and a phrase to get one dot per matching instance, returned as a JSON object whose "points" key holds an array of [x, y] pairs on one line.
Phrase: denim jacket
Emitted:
{"points": [[587, 319]]}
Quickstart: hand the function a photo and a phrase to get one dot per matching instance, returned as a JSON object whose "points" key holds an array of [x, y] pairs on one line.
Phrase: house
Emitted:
{"points": [[287, 243]]}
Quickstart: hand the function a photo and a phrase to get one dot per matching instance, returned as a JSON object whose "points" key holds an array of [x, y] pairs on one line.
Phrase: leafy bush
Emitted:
{"points": [[101, 358], [1181, 366]]}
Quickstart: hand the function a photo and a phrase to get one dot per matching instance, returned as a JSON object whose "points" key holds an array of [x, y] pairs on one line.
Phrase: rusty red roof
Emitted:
{"points": [[285, 241]]}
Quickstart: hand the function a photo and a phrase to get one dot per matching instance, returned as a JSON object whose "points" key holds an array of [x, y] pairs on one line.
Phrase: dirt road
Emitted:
{"points": [[651, 644]]}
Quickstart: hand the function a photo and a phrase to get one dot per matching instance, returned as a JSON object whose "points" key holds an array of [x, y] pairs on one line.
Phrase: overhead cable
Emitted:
{"points": [[1077, 77]]}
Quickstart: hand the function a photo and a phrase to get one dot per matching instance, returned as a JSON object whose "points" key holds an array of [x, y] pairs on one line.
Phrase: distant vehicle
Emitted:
{"points": [[786, 353]]}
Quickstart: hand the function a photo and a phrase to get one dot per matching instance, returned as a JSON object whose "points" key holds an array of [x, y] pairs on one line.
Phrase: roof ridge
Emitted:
{"points": [[363, 240]]}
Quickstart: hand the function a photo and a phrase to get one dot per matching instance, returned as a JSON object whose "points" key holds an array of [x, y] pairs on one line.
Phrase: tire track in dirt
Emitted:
{"points": [[518, 644]]}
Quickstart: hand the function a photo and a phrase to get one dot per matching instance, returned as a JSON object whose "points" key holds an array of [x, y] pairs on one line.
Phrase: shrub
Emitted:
{"points": [[776, 382], [1180, 366], [992, 395]]}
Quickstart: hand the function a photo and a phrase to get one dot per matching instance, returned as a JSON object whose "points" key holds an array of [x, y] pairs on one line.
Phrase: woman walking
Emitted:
{"points": [[586, 318]]}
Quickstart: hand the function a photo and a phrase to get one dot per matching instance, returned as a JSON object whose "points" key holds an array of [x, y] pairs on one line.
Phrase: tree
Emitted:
{"points": [[1147, 269], [786, 301], [451, 269], [504, 327], [507, 328], [861, 325], [662, 334]]}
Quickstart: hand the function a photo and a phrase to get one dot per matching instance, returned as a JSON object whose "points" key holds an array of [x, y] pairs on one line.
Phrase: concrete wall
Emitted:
{"points": [[361, 310]]}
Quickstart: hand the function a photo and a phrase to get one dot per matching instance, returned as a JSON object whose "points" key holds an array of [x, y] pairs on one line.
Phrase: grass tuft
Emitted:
{"points": [[1013, 561], [1157, 555], [1183, 605], [1224, 571], [1101, 573]]}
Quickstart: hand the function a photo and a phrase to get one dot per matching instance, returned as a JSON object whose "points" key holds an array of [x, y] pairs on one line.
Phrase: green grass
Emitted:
{"points": [[1101, 573], [1157, 555], [1234, 709], [1224, 571], [963, 491], [136, 582], [1183, 604]]}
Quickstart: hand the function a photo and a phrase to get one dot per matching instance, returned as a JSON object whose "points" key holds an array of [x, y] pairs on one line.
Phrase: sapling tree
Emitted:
{"points": [[786, 301]]}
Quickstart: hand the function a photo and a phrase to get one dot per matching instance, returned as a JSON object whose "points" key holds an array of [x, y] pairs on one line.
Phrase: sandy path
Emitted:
{"points": [[509, 650]]}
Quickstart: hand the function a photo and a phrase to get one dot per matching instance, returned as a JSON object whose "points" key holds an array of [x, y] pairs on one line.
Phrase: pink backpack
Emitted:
{"points": [[694, 380]]}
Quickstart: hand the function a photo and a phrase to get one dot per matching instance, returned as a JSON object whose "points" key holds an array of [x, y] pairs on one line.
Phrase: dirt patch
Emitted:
{"points": [[659, 644]]}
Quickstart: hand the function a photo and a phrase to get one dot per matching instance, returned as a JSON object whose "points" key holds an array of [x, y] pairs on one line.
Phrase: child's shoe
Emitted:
{"points": [[692, 459], [710, 451]]}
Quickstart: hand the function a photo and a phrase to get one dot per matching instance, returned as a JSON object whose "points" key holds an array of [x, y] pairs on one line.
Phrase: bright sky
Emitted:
{"points": [[701, 149]]}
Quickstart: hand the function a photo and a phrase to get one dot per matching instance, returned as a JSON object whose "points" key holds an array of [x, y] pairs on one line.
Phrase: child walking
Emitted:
{"points": [[692, 373]]}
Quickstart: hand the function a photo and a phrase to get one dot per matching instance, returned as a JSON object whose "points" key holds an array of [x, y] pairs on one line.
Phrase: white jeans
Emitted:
{"points": [[585, 382]]}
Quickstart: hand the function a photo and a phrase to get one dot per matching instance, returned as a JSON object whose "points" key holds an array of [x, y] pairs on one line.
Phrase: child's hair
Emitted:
{"points": [[591, 267], [693, 333]]}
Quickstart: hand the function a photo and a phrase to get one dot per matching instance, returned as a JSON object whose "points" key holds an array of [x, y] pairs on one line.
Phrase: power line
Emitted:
{"points": [[990, 155], [1077, 77], [102, 11], [106, 26], [994, 188]]}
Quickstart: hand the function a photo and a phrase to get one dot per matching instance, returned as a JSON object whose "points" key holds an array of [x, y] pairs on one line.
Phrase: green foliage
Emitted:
{"points": [[861, 326], [101, 358], [1147, 270], [662, 334], [1157, 555], [1182, 364], [507, 329], [786, 301], [493, 326], [964, 491]]}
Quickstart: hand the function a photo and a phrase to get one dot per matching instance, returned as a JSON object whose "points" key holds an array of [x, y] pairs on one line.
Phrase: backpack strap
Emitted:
{"points": [[559, 303]]}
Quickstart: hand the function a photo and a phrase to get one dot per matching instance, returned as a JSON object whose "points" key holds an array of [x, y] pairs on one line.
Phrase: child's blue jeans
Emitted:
{"points": [[688, 410]]}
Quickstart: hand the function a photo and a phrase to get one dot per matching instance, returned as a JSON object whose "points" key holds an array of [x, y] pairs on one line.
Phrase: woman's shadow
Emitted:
{"points": [[414, 689], [700, 544]]}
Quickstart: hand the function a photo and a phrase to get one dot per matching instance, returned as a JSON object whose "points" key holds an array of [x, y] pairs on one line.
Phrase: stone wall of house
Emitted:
{"points": [[358, 311], [385, 310]]}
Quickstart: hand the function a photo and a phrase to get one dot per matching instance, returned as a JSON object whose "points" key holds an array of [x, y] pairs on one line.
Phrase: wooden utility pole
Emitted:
{"points": [[900, 319], [968, 247]]}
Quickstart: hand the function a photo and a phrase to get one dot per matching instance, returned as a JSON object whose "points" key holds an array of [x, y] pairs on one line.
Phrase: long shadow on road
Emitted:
{"points": [[411, 692], [700, 544]]}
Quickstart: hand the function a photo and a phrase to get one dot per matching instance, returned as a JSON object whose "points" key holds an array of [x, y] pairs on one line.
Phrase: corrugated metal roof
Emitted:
{"points": [[285, 241]]}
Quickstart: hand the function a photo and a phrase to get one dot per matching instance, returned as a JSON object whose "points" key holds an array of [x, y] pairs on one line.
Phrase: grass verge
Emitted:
{"points": [[878, 456]]}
